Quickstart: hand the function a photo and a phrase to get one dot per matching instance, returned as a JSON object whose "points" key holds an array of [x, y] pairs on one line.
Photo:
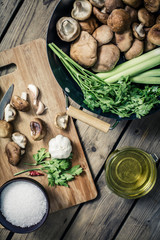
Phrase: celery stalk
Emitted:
{"points": [[132, 63], [135, 70]]}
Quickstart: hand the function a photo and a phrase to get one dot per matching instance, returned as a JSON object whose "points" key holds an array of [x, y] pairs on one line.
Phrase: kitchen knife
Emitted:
{"points": [[5, 100]]}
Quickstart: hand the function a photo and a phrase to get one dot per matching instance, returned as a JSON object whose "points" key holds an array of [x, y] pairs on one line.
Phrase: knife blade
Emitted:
{"points": [[5, 100]]}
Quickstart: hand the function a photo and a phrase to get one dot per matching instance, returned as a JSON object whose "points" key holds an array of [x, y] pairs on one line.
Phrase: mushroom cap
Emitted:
{"points": [[101, 15], [135, 50], [152, 5], [68, 29], [148, 46], [124, 40], [13, 152], [103, 35], [82, 10], [145, 17], [84, 50], [119, 20], [89, 25], [133, 3], [138, 31], [113, 4], [97, 3], [154, 34], [5, 129], [20, 104], [108, 56], [9, 113]]}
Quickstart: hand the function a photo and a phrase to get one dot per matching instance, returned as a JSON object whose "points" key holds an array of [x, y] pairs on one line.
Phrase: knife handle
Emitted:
{"points": [[86, 118]]}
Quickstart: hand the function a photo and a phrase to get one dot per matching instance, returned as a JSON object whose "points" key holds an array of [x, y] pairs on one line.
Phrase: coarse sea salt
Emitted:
{"points": [[23, 204]]}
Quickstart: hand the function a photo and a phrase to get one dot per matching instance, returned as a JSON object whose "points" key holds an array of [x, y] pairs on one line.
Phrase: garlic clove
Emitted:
{"points": [[35, 92], [41, 108]]}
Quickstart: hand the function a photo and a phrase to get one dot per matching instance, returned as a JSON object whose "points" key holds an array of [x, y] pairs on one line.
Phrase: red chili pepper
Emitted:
{"points": [[35, 173]]}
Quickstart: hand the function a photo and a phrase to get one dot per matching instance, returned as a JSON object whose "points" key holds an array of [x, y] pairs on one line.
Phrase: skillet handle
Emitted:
{"points": [[86, 118]]}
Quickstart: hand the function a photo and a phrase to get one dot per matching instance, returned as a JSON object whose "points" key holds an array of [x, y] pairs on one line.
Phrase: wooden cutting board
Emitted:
{"points": [[33, 67]]}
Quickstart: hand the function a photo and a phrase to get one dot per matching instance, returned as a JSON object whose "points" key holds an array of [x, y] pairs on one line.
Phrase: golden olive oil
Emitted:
{"points": [[130, 172]]}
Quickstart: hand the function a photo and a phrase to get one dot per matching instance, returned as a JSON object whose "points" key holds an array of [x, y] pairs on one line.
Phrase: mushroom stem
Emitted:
{"points": [[79, 6], [139, 29]]}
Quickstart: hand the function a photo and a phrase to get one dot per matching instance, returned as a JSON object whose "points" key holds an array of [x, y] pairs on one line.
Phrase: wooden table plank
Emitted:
{"points": [[8, 10], [102, 218]]}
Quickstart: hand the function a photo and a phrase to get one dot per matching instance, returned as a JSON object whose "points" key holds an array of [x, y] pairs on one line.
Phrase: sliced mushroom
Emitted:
{"points": [[145, 17], [133, 3], [89, 25], [61, 121], [113, 4], [124, 40], [133, 13], [108, 56], [154, 34], [119, 20], [103, 35], [135, 50], [38, 129], [13, 152], [138, 30], [20, 139], [20, 104], [97, 3], [152, 5], [101, 14], [9, 113], [68, 29], [84, 50], [5, 129], [82, 10]]}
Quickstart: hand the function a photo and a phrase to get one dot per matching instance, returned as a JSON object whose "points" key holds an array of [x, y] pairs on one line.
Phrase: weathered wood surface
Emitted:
{"points": [[107, 217]]}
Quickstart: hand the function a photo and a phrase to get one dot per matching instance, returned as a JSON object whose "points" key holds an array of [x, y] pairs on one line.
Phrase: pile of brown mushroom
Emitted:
{"points": [[99, 30]]}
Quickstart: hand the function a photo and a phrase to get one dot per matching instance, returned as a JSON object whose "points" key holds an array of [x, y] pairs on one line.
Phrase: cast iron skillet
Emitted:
{"points": [[64, 79]]}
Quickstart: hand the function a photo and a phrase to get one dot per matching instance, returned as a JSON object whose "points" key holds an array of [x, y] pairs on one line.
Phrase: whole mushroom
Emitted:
{"points": [[9, 113], [84, 50], [97, 3], [101, 14], [152, 5], [20, 104], [68, 29], [13, 152], [154, 34], [89, 25], [138, 31], [124, 40], [113, 4], [133, 3], [108, 56], [82, 10], [135, 50], [145, 17], [119, 20], [5, 129], [103, 35], [133, 13]]}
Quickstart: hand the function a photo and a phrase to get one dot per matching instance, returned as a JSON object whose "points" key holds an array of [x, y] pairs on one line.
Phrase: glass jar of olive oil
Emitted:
{"points": [[130, 172]]}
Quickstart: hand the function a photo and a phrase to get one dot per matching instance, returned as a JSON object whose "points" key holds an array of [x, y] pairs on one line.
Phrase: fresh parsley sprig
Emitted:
{"points": [[59, 171]]}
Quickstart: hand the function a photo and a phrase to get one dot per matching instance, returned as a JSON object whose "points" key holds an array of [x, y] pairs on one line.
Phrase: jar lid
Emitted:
{"points": [[130, 172]]}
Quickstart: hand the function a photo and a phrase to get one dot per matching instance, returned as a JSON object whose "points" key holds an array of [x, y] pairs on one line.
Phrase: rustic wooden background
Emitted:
{"points": [[108, 216]]}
